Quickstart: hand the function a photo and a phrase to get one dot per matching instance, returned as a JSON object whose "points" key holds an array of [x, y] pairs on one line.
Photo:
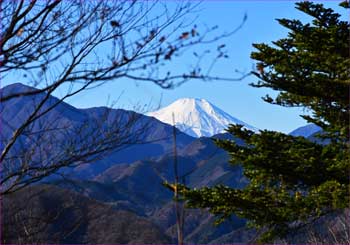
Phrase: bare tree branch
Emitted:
{"points": [[73, 46]]}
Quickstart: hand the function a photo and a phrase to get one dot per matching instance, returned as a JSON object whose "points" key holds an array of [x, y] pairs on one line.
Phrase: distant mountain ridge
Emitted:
{"points": [[306, 131], [156, 137], [197, 117], [126, 184], [127, 179]]}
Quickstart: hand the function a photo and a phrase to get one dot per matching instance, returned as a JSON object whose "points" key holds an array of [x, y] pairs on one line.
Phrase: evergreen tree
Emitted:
{"points": [[292, 180]]}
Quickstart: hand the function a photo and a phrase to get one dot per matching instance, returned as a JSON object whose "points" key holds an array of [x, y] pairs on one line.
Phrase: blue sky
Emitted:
{"points": [[237, 98]]}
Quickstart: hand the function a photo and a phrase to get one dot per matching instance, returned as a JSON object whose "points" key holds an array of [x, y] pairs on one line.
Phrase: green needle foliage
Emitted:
{"points": [[292, 180]]}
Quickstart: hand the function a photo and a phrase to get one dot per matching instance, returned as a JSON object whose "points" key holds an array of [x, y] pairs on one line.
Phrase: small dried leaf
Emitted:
{"points": [[193, 32], [260, 68], [184, 35], [20, 32], [221, 46], [115, 23], [152, 34]]}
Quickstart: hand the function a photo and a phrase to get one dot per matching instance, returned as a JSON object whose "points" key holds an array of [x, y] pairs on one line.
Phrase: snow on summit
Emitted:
{"points": [[197, 117]]}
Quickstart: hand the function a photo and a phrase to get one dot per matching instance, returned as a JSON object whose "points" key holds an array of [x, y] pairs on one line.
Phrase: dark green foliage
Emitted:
{"points": [[310, 68], [293, 181]]}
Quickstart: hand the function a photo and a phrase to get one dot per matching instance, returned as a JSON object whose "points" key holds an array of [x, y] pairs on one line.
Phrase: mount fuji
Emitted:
{"points": [[197, 117]]}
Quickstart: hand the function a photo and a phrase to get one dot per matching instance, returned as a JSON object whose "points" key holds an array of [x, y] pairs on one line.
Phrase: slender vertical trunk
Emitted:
{"points": [[178, 206]]}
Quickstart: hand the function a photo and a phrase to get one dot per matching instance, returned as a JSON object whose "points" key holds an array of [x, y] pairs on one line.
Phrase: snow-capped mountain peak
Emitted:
{"points": [[197, 117]]}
